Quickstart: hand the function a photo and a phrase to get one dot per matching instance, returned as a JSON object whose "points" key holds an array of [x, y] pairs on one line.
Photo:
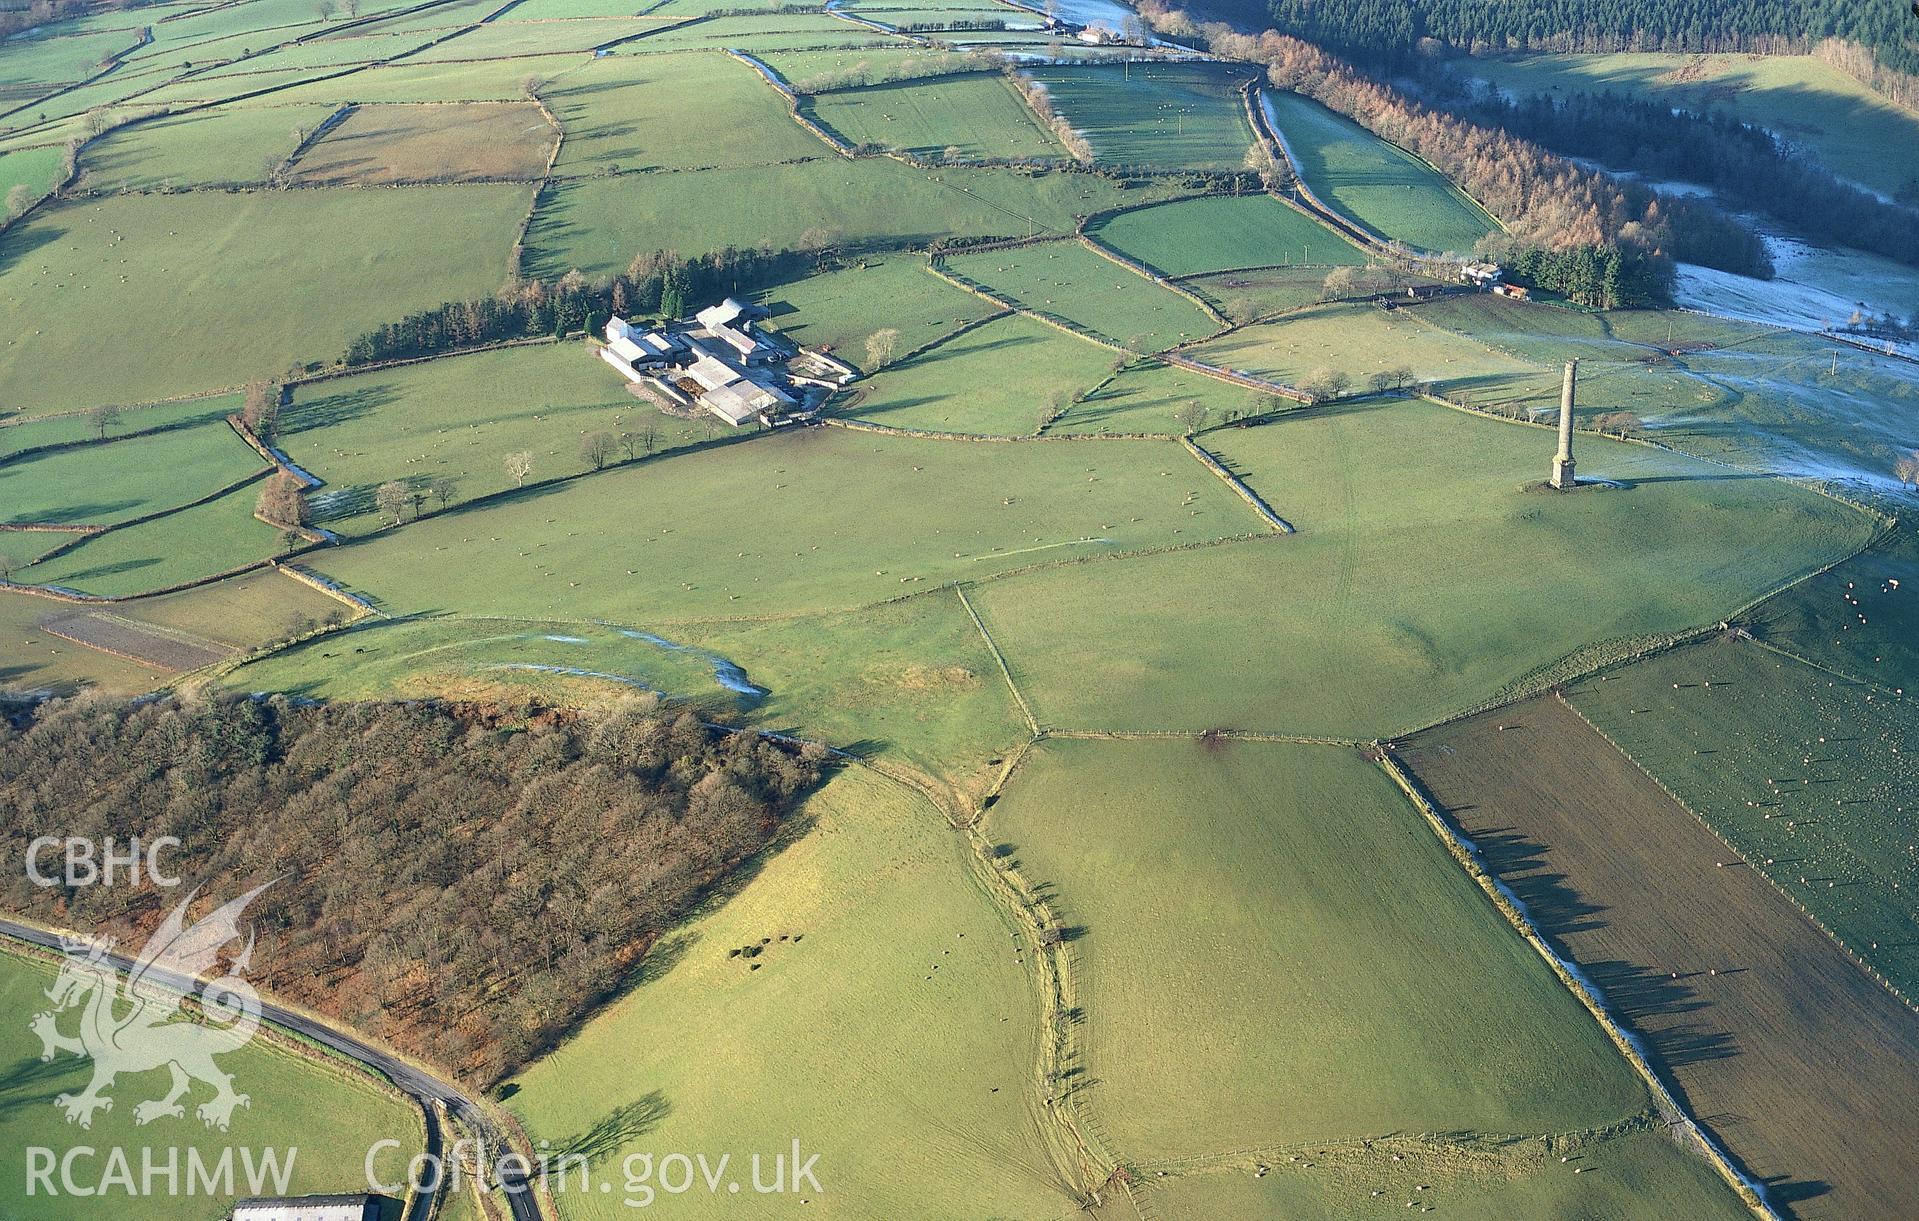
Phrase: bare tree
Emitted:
{"points": [[391, 499], [879, 348], [283, 500], [7, 564], [519, 464], [1622, 424], [1241, 311], [1342, 282], [1191, 415], [324, 10], [1052, 409], [261, 412], [102, 419], [1380, 382], [19, 199], [1324, 383], [597, 449], [1906, 469], [444, 489]]}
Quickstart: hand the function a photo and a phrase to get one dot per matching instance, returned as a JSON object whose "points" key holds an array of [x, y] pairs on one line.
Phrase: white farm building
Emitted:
{"points": [[307, 1208], [719, 362]]}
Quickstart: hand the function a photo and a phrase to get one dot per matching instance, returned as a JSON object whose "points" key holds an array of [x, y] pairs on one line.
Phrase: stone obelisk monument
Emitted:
{"points": [[1563, 460]]}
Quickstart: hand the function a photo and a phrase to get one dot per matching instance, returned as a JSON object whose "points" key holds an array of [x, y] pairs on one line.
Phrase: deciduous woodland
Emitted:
{"points": [[462, 881]]}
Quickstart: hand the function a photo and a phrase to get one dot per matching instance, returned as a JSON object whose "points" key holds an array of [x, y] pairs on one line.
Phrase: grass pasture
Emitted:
{"points": [[1263, 293], [166, 551], [1145, 396], [1221, 233], [1176, 867], [218, 260], [591, 223], [1860, 619], [33, 433], [510, 39], [1808, 776], [976, 115], [1641, 1170], [37, 169], [869, 518], [457, 419], [888, 1024], [1359, 340], [630, 113], [994, 379], [315, 1106], [233, 145], [1806, 102], [1799, 1064], [36, 662], [1155, 116], [1383, 187], [1425, 577], [110, 482], [32, 64], [1065, 280], [447, 142], [841, 309]]}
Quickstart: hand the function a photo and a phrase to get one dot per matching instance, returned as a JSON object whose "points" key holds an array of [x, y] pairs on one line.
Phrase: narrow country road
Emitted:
{"points": [[410, 1079]]}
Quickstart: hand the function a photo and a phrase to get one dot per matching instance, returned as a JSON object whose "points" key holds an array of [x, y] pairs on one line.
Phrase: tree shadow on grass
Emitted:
{"points": [[615, 1130]]}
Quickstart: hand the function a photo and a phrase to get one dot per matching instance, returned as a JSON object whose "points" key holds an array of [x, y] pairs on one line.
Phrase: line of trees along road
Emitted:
{"points": [[463, 882]]}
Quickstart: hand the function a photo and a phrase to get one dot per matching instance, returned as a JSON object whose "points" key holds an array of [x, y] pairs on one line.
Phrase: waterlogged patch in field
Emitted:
{"points": [[1002, 378], [974, 115], [1221, 232], [1159, 116], [864, 518], [218, 260], [1810, 777], [1065, 280], [447, 426], [1380, 185], [1238, 913], [1427, 575], [859, 992], [315, 1116], [412, 658]]}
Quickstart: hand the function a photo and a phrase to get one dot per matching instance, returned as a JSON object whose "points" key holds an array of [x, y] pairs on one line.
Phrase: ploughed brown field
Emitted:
{"points": [[161, 647], [1803, 1067]]}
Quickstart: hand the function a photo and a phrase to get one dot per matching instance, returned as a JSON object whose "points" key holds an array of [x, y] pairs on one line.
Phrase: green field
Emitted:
{"points": [[1261, 293], [1216, 234], [994, 379], [970, 116], [895, 1036], [1861, 618], [240, 145], [1237, 916], [1359, 340], [1383, 187], [158, 554], [314, 1111], [840, 310], [458, 419], [107, 483], [631, 112], [599, 224], [1807, 102], [34, 168], [1090, 292], [1809, 777], [1146, 396], [1156, 116], [1425, 577], [218, 261], [866, 518]]}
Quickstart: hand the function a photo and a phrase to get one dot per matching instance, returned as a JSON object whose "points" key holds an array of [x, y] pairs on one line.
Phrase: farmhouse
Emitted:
{"points": [[307, 1208], [719, 361]]}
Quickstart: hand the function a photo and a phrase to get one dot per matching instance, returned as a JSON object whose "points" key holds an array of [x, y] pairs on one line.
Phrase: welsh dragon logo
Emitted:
{"points": [[136, 1024]]}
